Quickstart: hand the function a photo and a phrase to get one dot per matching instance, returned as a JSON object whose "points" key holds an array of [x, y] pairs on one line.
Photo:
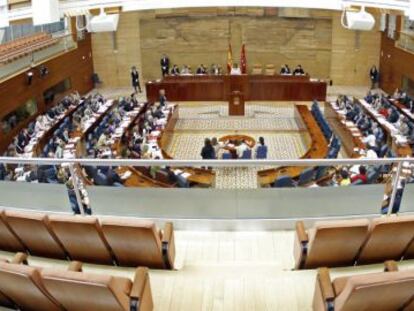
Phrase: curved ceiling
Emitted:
{"points": [[66, 6]]}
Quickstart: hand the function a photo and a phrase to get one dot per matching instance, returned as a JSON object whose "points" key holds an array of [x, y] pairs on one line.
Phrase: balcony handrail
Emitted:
{"points": [[210, 163]]}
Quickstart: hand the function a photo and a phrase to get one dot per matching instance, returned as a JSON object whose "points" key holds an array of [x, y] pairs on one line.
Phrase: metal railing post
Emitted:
{"points": [[76, 188], [394, 188]]}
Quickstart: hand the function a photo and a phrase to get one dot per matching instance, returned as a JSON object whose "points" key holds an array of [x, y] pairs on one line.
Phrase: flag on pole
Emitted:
{"points": [[243, 60], [229, 59]]}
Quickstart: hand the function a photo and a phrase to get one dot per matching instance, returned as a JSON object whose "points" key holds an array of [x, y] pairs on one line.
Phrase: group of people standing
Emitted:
{"points": [[212, 147]]}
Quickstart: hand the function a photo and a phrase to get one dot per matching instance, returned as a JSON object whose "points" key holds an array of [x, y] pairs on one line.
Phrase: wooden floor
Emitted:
{"points": [[229, 271]]}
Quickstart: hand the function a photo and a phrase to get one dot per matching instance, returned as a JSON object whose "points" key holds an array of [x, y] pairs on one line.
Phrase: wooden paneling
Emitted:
{"points": [[76, 65], [394, 64], [253, 87]]}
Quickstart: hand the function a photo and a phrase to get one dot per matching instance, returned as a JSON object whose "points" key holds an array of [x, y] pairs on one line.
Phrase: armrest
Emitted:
{"points": [[390, 266], [140, 281], [75, 266], [301, 245], [168, 245], [325, 283], [301, 232], [20, 258]]}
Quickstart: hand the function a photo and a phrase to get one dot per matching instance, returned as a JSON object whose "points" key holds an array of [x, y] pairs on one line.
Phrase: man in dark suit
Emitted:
{"points": [[165, 65]]}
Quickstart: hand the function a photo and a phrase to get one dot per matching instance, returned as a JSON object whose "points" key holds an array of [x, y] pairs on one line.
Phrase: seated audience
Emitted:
{"points": [[175, 71], [285, 70], [362, 175]]}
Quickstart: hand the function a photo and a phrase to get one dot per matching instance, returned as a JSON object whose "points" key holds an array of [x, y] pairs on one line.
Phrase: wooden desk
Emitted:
{"points": [[253, 87], [317, 150], [401, 150], [350, 141]]}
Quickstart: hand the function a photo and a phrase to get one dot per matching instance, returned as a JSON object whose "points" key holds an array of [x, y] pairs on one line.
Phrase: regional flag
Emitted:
{"points": [[229, 59], [243, 60]]}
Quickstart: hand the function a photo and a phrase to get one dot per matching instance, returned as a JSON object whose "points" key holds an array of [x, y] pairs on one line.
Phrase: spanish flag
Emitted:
{"points": [[229, 59], [243, 60]]}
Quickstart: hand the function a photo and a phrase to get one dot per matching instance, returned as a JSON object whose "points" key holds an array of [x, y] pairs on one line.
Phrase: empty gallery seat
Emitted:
{"points": [[23, 285], [388, 239], [35, 232], [82, 238], [86, 291], [136, 242], [8, 240], [329, 243], [385, 291]]}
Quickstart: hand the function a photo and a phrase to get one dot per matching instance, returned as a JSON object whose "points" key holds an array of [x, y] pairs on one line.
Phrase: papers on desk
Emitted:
{"points": [[126, 175], [186, 175], [399, 139], [177, 172]]}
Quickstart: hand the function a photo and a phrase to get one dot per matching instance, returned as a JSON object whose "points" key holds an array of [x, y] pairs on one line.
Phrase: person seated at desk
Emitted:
{"points": [[370, 139], [393, 115], [298, 71], [362, 175], [113, 179], [371, 153], [343, 178], [186, 70], [175, 71], [235, 70], [201, 70], [285, 70], [215, 70]]}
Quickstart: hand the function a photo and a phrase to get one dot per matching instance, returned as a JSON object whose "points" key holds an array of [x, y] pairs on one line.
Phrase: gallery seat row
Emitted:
{"points": [[25, 287], [354, 242], [23, 46], [386, 291], [110, 240]]}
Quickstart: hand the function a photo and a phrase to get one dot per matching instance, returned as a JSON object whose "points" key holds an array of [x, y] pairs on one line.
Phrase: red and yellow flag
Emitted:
{"points": [[243, 60], [229, 59]]}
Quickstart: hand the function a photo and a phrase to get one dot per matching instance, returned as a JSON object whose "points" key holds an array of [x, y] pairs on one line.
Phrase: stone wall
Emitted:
{"points": [[268, 40], [313, 38]]}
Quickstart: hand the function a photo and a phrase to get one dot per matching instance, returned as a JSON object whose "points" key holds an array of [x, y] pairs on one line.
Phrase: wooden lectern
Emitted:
{"points": [[236, 104]]}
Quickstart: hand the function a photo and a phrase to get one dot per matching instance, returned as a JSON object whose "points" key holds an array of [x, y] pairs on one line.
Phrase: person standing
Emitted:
{"points": [[135, 79], [374, 76], [165, 65]]}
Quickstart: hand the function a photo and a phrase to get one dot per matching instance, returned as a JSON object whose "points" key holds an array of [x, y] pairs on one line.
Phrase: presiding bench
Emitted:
{"points": [[112, 240], [350, 242], [31, 288], [384, 291]]}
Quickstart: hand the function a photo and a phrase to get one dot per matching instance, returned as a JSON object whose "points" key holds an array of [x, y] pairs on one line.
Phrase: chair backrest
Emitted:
{"points": [[34, 231], [247, 154], [257, 69], [321, 172], [388, 239], [306, 176], [82, 238], [87, 291], [335, 243], [261, 152], [270, 70], [8, 240], [100, 179], [372, 176], [24, 286], [283, 182], [377, 291], [134, 242]]}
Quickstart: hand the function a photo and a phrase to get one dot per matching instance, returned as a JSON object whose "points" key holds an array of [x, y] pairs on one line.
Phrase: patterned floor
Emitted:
{"points": [[283, 134]]}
